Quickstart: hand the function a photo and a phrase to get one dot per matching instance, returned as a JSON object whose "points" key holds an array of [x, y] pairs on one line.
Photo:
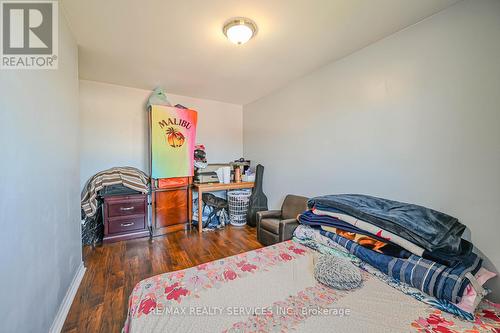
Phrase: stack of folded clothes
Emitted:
{"points": [[412, 245]]}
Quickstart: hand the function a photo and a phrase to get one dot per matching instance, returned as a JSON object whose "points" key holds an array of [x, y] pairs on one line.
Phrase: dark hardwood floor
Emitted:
{"points": [[100, 304]]}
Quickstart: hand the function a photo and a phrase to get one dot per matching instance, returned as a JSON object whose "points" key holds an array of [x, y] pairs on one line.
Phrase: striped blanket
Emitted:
{"points": [[312, 238], [430, 277], [129, 177]]}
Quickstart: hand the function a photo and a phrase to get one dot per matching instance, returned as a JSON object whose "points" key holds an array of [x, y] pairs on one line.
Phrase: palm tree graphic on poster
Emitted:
{"points": [[174, 137]]}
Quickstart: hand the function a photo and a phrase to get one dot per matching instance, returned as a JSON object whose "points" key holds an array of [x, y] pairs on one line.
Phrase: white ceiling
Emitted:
{"points": [[179, 44]]}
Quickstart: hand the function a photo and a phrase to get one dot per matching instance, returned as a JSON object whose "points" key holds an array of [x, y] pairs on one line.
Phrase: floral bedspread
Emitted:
{"points": [[273, 289]]}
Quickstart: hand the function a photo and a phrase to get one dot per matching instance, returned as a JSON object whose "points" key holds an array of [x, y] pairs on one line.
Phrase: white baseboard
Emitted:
{"points": [[60, 318]]}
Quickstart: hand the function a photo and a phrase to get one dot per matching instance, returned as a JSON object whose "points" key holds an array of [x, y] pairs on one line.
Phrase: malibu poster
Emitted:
{"points": [[173, 137]]}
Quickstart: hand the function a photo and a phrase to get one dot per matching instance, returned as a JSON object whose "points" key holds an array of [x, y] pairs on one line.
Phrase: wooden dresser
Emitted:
{"points": [[125, 217], [171, 205]]}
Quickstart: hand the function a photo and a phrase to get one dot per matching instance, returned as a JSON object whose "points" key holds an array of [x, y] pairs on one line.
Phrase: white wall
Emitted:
{"points": [[40, 246], [414, 117], [114, 127]]}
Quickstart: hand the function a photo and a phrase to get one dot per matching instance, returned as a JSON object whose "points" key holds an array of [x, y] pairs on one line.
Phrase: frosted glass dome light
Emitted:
{"points": [[240, 30]]}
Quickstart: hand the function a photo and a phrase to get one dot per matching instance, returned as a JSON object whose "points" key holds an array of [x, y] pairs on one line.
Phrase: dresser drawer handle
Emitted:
{"points": [[127, 224], [126, 208]]}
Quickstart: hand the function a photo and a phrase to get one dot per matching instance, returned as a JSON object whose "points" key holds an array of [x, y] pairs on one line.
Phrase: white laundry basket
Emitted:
{"points": [[238, 201]]}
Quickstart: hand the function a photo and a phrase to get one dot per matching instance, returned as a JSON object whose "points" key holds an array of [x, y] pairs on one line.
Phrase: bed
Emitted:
{"points": [[273, 289]]}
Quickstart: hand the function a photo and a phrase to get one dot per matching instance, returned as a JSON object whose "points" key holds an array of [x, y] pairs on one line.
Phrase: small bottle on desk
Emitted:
{"points": [[237, 175]]}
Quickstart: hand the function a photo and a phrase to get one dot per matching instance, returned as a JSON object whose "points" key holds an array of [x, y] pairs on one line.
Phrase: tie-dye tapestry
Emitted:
{"points": [[173, 137]]}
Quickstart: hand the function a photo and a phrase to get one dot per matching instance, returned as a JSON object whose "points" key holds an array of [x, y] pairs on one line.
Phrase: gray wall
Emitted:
{"points": [[40, 247], [414, 117]]}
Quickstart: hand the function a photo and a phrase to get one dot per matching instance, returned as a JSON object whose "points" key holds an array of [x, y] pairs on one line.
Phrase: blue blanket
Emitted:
{"points": [[311, 219], [430, 229], [441, 256], [432, 278]]}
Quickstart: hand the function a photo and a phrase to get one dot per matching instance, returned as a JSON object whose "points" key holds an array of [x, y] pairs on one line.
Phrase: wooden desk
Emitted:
{"points": [[200, 188]]}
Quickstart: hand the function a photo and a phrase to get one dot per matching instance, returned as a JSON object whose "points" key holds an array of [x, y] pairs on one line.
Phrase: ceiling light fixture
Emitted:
{"points": [[239, 30]]}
